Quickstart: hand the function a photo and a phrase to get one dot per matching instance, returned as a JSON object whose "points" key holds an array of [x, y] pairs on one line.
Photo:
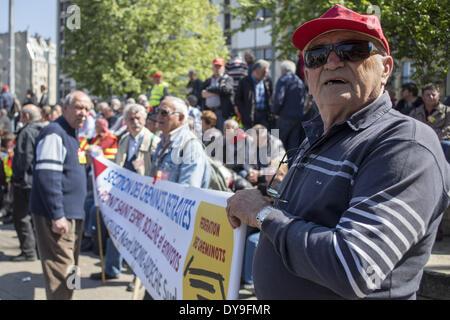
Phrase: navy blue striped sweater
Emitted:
{"points": [[59, 180]]}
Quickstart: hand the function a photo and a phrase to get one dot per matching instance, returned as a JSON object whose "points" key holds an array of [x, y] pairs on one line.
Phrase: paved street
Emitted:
{"points": [[24, 280]]}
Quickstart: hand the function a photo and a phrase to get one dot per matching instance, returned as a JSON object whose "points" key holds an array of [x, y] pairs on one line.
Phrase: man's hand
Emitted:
{"points": [[60, 226], [89, 150], [244, 206]]}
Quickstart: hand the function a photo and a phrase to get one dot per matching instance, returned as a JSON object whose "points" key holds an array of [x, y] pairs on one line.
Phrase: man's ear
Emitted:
{"points": [[388, 66], [181, 117]]}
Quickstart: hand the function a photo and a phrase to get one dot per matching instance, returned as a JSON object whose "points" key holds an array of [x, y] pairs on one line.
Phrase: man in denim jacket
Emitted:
{"points": [[179, 157]]}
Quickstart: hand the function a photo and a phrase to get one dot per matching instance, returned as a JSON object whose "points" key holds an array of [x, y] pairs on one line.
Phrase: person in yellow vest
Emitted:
{"points": [[8, 142], [82, 149], [159, 90], [7, 148], [105, 139]]}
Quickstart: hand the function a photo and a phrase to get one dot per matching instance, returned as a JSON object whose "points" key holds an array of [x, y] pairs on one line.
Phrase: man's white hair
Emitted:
{"points": [[134, 108], [68, 101], [232, 122], [142, 97], [179, 106], [115, 104], [287, 66], [33, 111]]}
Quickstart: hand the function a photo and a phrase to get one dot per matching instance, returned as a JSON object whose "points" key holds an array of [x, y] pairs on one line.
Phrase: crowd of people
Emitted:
{"points": [[239, 127]]}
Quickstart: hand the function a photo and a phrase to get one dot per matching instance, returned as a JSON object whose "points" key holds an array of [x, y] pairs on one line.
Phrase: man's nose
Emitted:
{"points": [[333, 61]]}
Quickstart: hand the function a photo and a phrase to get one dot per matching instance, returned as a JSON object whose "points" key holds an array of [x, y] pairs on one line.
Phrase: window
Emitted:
{"points": [[408, 71], [264, 53]]}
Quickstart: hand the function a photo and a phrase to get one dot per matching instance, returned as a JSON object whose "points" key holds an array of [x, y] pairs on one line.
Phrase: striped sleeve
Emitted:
{"points": [[50, 153], [50, 157], [397, 192]]}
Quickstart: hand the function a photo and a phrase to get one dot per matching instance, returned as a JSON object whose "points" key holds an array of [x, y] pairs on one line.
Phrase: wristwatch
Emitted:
{"points": [[262, 215]]}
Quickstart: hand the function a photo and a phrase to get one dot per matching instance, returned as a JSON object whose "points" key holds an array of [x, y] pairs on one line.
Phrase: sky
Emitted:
{"points": [[38, 16]]}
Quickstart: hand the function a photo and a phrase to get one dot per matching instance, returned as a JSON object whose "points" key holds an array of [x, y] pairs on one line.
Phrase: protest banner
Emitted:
{"points": [[176, 238]]}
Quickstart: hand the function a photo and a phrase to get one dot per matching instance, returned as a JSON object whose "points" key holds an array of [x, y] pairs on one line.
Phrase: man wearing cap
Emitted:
{"points": [[159, 90], [357, 214], [218, 93], [6, 99]]}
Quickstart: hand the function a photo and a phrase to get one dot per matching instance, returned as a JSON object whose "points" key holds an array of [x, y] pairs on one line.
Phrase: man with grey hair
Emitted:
{"points": [[288, 104], [254, 96], [115, 104], [357, 214], [22, 166], [179, 156], [134, 153], [110, 115], [57, 196]]}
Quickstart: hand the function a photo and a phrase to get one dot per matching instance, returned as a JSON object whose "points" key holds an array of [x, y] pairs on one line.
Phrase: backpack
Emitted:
{"points": [[220, 176]]}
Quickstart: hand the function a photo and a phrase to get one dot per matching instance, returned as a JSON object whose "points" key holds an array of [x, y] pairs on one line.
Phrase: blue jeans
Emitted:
{"points": [[113, 260], [250, 247], [88, 205]]}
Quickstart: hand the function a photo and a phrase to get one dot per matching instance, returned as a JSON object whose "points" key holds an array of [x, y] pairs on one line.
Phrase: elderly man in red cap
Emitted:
{"points": [[159, 91], [357, 214], [218, 93]]}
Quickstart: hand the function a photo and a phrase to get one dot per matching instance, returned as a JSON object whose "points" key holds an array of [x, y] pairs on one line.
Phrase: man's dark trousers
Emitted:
{"points": [[22, 221]]}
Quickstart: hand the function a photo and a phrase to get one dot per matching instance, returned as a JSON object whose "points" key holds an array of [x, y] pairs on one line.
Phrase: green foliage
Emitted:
{"points": [[121, 43], [415, 29]]}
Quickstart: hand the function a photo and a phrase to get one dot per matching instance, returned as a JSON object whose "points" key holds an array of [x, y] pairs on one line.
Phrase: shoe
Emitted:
{"points": [[7, 219], [130, 287], [98, 276], [23, 257]]}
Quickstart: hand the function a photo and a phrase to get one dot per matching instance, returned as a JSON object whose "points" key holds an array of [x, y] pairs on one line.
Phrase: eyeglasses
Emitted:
{"points": [[346, 51], [270, 190], [165, 112]]}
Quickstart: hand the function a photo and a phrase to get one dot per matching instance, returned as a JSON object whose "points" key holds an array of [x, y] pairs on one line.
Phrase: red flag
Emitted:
{"points": [[98, 167]]}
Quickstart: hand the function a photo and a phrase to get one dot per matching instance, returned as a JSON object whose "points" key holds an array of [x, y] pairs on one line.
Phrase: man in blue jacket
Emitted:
{"points": [[357, 214], [57, 197], [179, 156], [288, 104]]}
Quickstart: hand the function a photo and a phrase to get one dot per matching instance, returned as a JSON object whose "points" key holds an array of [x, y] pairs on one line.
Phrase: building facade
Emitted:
{"points": [[256, 39], [35, 65], [65, 84]]}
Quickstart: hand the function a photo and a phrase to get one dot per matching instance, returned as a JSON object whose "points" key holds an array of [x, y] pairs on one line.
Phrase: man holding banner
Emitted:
{"points": [[57, 196], [179, 156], [135, 149], [173, 234], [358, 212]]}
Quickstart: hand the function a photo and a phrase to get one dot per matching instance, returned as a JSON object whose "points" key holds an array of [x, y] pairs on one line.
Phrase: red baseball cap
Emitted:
{"points": [[219, 61], [157, 75], [5, 87], [339, 18]]}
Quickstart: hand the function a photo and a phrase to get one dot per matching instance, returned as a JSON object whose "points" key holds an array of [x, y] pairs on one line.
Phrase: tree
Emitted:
{"points": [[415, 29], [121, 43]]}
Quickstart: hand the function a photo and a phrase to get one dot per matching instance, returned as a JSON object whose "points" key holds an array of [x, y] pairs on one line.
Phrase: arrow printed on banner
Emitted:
{"points": [[98, 167]]}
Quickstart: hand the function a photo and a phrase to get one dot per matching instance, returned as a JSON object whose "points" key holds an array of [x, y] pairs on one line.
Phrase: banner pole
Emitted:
{"points": [[100, 246], [99, 230], [137, 286]]}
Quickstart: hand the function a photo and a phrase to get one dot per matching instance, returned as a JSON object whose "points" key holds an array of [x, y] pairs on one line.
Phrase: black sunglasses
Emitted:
{"points": [[165, 113], [346, 51]]}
